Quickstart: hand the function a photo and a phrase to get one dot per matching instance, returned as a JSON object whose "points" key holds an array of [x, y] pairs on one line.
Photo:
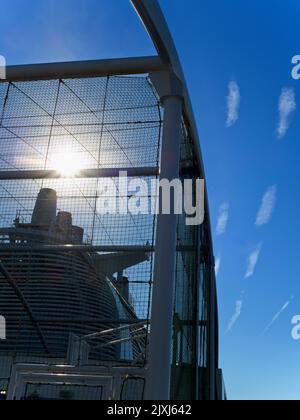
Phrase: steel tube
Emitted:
{"points": [[83, 69], [160, 342], [86, 173]]}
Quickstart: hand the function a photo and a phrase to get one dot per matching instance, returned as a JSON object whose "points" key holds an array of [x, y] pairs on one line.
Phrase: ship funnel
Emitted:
{"points": [[44, 212], [64, 222]]}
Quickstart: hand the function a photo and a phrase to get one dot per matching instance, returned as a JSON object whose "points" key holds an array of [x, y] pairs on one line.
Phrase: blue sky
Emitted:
{"points": [[252, 174]]}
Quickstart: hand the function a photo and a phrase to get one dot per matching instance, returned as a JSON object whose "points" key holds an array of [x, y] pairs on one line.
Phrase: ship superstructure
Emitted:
{"points": [[69, 294]]}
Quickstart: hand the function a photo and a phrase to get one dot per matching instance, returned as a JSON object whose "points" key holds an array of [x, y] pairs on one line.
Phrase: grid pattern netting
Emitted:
{"points": [[190, 327], [107, 122]]}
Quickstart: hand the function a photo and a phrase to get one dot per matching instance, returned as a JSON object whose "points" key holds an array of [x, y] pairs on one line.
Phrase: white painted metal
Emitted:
{"points": [[160, 346], [86, 173], [155, 23], [81, 69]]}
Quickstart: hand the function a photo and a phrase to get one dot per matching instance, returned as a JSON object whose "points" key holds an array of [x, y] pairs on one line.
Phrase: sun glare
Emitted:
{"points": [[67, 164]]}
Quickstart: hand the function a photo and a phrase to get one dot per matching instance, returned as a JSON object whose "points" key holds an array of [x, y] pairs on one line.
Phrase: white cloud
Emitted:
{"points": [[267, 206], [223, 219], [287, 105], [233, 104], [252, 261], [218, 265], [276, 316], [238, 311]]}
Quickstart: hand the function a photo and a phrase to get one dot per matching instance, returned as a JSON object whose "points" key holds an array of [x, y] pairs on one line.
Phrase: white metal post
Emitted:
{"points": [[160, 346], [212, 334]]}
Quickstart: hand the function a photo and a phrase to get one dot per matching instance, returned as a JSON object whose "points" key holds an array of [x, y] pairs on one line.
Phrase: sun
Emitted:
{"points": [[68, 164]]}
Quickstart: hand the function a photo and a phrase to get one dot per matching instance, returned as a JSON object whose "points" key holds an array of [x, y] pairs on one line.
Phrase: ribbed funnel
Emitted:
{"points": [[44, 212]]}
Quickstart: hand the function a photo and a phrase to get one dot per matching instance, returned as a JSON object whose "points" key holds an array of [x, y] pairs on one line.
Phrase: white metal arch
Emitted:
{"points": [[153, 19]]}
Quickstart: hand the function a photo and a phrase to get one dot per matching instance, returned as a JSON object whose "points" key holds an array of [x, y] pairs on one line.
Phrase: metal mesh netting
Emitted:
{"points": [[100, 120], [190, 327], [77, 124]]}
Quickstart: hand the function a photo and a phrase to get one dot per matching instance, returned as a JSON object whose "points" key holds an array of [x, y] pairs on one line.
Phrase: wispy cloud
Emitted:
{"points": [[223, 219], [238, 311], [233, 104], [278, 314], [252, 261], [287, 105], [267, 206], [218, 264]]}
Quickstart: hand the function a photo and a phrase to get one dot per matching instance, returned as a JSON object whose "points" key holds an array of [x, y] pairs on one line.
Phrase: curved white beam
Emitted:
{"points": [[153, 19], [156, 25]]}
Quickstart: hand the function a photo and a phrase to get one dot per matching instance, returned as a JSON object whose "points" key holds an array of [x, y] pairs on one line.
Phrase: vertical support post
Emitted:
{"points": [[211, 345], [212, 333], [198, 270], [161, 333]]}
